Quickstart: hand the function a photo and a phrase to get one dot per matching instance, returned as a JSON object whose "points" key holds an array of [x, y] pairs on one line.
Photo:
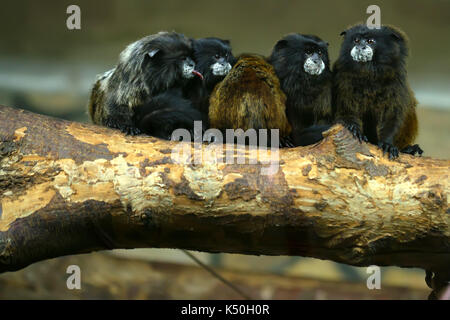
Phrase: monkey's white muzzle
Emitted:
{"points": [[314, 67], [220, 69], [362, 54]]}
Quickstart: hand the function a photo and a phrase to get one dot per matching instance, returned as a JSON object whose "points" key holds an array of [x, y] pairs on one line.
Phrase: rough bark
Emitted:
{"points": [[68, 188]]}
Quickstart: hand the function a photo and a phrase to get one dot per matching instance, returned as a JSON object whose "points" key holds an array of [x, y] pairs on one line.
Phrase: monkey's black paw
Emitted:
{"points": [[286, 142], [131, 131], [125, 128], [412, 150], [356, 131], [389, 149]]}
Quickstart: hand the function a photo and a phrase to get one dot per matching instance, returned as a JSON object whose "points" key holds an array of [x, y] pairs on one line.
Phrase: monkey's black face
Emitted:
{"points": [[313, 64], [302, 55], [363, 47], [168, 61], [214, 58]]}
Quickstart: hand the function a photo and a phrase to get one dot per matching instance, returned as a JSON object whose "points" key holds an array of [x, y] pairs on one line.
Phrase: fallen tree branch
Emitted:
{"points": [[68, 188]]}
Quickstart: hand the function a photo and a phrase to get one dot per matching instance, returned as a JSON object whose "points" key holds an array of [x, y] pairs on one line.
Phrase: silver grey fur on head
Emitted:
{"points": [[125, 93], [130, 61], [104, 77], [220, 69], [312, 67], [362, 54]]}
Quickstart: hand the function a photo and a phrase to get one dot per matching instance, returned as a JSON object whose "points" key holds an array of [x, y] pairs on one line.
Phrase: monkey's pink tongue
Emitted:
{"points": [[198, 74]]}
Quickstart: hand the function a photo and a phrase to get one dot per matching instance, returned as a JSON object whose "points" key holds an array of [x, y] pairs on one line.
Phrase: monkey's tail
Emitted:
{"points": [[310, 135], [94, 99]]}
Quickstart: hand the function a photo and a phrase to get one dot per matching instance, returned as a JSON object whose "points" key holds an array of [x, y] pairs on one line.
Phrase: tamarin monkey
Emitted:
{"points": [[249, 97], [214, 60], [166, 112], [301, 63], [371, 94], [146, 86]]}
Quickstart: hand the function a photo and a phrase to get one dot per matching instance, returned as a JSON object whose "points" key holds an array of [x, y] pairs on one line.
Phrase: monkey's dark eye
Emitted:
{"points": [[217, 56], [370, 41], [357, 40], [320, 53]]}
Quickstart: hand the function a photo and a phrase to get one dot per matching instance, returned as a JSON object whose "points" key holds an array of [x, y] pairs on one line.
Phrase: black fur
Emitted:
{"points": [[311, 135], [390, 50], [207, 51], [308, 96], [166, 112]]}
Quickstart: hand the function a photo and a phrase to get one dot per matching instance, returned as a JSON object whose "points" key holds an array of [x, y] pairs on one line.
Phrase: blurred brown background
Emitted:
{"points": [[49, 69]]}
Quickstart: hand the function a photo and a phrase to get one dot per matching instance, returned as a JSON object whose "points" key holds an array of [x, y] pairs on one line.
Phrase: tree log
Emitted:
{"points": [[69, 188]]}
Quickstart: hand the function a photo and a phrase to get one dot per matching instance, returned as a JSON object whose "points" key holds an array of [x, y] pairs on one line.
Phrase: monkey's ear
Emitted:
{"points": [[281, 44], [152, 53], [343, 33], [226, 41], [396, 36], [149, 56]]}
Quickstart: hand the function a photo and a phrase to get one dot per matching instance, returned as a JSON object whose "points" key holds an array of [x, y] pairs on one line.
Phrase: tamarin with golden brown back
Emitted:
{"points": [[249, 97], [371, 93], [301, 63]]}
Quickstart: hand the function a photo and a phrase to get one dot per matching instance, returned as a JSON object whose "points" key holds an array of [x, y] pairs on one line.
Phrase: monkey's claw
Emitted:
{"points": [[412, 150], [356, 131], [131, 131], [389, 149], [127, 129]]}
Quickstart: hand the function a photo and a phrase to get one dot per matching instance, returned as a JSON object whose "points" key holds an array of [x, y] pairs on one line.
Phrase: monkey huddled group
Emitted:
{"points": [[167, 81]]}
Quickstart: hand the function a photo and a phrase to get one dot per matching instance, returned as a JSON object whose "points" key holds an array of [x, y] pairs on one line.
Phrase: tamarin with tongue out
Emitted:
{"points": [[144, 92]]}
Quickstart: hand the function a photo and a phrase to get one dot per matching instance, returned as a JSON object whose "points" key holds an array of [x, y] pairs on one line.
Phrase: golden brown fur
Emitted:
{"points": [[408, 131], [249, 97], [378, 100], [95, 100]]}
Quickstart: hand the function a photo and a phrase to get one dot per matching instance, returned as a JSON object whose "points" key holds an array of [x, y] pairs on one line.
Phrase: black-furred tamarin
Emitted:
{"points": [[139, 91], [214, 60], [301, 63], [371, 94]]}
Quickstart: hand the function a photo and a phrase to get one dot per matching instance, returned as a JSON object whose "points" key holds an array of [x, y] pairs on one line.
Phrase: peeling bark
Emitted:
{"points": [[68, 188]]}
